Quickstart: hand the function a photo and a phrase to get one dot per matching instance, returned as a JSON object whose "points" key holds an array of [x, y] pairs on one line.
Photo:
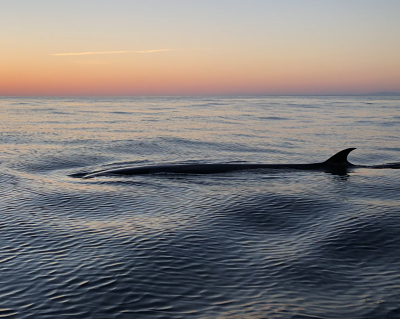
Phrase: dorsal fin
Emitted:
{"points": [[340, 158]]}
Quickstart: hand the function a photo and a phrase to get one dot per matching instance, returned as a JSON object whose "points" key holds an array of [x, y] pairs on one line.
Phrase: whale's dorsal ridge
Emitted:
{"points": [[336, 164], [340, 158]]}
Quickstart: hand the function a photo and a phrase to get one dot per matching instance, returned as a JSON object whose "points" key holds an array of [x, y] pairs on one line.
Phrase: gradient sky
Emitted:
{"points": [[194, 47]]}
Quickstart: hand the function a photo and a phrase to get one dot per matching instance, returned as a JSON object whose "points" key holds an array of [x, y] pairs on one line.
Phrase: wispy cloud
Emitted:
{"points": [[90, 53], [113, 52]]}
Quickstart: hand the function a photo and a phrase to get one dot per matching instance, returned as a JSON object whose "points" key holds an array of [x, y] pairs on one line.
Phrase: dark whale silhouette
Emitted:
{"points": [[337, 164]]}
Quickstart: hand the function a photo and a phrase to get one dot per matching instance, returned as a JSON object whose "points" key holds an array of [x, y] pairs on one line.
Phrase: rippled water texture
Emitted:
{"points": [[255, 244]]}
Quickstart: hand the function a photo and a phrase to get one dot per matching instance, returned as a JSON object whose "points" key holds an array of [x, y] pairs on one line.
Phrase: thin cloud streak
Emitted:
{"points": [[112, 52]]}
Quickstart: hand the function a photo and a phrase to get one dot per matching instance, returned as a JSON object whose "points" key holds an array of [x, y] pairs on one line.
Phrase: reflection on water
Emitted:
{"points": [[238, 245]]}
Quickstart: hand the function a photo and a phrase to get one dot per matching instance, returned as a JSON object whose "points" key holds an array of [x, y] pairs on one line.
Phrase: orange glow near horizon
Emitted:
{"points": [[181, 74]]}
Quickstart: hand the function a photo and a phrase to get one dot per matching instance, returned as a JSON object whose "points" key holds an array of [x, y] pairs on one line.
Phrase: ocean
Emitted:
{"points": [[249, 244]]}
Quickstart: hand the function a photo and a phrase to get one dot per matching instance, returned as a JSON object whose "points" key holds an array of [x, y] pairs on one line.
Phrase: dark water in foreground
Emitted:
{"points": [[263, 244]]}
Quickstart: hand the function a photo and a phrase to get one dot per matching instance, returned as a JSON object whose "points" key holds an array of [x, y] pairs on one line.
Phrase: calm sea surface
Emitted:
{"points": [[249, 244]]}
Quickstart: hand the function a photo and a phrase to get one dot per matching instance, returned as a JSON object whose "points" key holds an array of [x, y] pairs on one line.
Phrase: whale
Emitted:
{"points": [[337, 164]]}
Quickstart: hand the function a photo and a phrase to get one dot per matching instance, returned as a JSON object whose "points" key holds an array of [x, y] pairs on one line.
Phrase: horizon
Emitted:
{"points": [[370, 94], [207, 48]]}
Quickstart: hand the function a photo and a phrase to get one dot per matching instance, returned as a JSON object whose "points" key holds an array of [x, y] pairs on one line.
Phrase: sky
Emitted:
{"points": [[198, 47]]}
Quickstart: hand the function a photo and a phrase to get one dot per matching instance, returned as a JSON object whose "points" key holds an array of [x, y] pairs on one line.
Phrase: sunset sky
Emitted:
{"points": [[196, 47]]}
